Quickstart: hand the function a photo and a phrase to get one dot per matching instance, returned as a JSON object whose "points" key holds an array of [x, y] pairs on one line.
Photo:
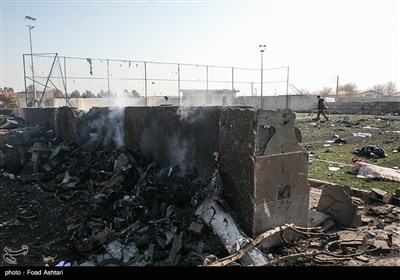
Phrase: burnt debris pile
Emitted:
{"points": [[119, 210]]}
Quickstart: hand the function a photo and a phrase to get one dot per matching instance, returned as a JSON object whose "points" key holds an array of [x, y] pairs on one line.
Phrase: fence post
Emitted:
{"points": [[108, 82], [145, 82], [26, 89], [65, 81], [233, 85], [207, 77], [179, 84], [287, 89]]}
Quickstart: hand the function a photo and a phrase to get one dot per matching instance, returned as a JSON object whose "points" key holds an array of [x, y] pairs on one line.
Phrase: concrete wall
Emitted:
{"points": [[262, 166], [238, 137], [86, 103], [184, 136], [294, 102], [38, 116], [308, 103], [364, 107]]}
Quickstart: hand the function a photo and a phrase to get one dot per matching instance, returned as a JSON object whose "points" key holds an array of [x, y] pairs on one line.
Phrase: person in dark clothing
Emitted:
{"points": [[321, 108]]}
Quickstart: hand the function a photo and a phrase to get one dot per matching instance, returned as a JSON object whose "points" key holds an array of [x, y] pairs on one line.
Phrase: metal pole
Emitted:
{"points": [[145, 82], [26, 93], [207, 77], [65, 82], [47, 81], [262, 49], [108, 82], [179, 85], [337, 88], [262, 76], [233, 80], [33, 72], [287, 89]]}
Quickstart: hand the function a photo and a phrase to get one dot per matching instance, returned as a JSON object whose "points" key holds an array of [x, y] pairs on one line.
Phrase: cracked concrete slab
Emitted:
{"points": [[336, 202]]}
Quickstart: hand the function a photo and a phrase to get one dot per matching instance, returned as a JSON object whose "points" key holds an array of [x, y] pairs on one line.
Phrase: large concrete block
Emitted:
{"points": [[279, 177], [281, 192], [44, 117], [336, 202], [264, 169], [184, 136], [237, 141]]}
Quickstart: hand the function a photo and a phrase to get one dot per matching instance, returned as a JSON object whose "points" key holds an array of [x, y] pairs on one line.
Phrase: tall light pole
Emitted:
{"points": [[337, 87], [262, 49], [30, 22]]}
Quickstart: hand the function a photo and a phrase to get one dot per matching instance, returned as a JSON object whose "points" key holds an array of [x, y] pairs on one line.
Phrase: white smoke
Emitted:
{"points": [[190, 114], [109, 128], [115, 127], [178, 151]]}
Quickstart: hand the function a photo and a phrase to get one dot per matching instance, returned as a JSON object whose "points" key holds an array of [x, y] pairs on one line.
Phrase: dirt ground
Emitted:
{"points": [[39, 215]]}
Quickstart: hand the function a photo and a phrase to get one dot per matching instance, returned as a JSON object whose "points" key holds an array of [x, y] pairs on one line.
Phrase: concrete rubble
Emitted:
{"points": [[371, 171], [336, 202]]}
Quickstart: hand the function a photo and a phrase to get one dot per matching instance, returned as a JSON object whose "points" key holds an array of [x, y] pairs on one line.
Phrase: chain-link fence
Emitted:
{"points": [[76, 77]]}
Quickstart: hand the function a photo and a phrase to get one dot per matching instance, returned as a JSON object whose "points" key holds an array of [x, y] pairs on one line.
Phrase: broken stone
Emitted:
{"points": [[174, 257], [325, 226], [381, 244], [315, 244], [365, 195], [106, 260], [316, 218], [129, 252], [366, 219], [380, 225], [370, 171], [350, 235], [352, 242], [382, 195], [336, 202], [149, 254], [196, 227], [114, 249], [362, 258]]}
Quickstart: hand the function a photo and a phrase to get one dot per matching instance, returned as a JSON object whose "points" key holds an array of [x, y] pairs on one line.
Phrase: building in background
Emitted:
{"points": [[203, 97]]}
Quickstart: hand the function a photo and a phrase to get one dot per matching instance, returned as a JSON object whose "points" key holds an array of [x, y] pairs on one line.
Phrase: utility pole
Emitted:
{"points": [[262, 49], [31, 24], [337, 87]]}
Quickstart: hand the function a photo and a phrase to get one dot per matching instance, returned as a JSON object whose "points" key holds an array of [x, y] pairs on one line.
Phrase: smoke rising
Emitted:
{"points": [[190, 114], [178, 152], [108, 128]]}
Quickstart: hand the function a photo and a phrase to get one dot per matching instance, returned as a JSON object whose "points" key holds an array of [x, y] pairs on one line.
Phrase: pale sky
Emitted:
{"points": [[357, 40]]}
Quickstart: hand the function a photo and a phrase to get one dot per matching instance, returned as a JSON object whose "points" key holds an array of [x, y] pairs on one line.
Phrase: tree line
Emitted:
{"points": [[387, 89], [103, 94]]}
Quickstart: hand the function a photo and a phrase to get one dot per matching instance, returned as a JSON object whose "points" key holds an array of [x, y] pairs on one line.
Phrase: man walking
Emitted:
{"points": [[321, 108]]}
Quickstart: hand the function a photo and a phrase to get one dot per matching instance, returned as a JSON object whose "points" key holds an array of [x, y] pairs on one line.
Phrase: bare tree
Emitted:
{"points": [[390, 88], [324, 91], [379, 88], [304, 91], [349, 88]]}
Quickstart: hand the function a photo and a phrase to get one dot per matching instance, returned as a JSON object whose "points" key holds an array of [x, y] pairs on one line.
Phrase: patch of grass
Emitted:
{"points": [[315, 134]]}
